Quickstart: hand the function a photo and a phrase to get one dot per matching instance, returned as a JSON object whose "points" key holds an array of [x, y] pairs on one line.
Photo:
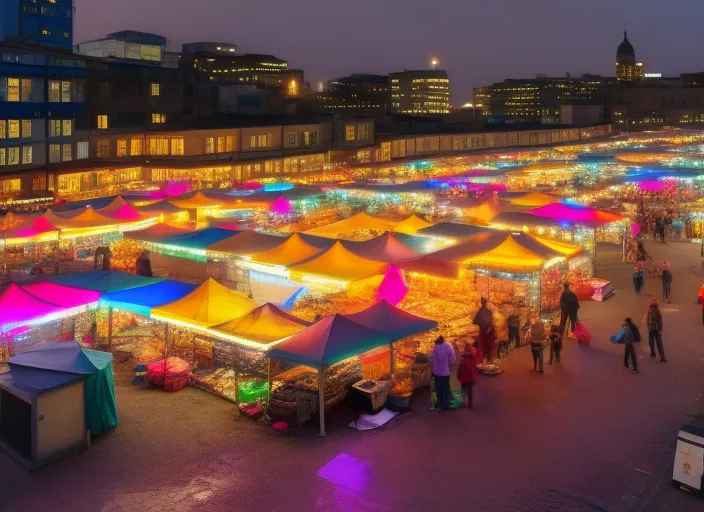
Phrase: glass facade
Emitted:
{"points": [[45, 23]]}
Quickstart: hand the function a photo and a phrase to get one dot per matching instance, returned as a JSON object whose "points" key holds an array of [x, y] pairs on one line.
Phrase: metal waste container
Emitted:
{"points": [[688, 471]]}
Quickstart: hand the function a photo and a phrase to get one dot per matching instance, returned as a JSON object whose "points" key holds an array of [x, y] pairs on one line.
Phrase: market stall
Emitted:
{"points": [[358, 227], [388, 247]]}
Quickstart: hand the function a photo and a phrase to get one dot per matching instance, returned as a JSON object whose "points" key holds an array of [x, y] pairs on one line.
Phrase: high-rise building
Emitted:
{"points": [[126, 44], [357, 93], [46, 23], [420, 92], [627, 68]]}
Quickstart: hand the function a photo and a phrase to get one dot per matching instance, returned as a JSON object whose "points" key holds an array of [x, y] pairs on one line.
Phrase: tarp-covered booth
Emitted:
{"points": [[53, 399]]}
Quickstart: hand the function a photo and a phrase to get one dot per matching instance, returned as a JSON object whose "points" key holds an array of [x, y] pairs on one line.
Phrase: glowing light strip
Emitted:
{"points": [[50, 317], [277, 270]]}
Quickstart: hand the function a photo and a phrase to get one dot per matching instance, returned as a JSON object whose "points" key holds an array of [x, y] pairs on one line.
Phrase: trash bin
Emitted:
{"points": [[688, 471], [369, 396]]}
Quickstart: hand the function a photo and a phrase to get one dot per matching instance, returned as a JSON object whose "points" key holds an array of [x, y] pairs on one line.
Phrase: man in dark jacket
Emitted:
{"points": [[569, 304]]}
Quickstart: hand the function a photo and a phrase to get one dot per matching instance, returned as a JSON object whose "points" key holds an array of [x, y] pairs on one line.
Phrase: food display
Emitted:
{"points": [[221, 382]]}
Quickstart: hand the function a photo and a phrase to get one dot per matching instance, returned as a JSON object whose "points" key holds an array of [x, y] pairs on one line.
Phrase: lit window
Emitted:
{"points": [[67, 154], [26, 90], [263, 141], [229, 143], [221, 144], [82, 148], [13, 128], [121, 148], [349, 132], [102, 149], [292, 139], [306, 138], [177, 146], [54, 91], [26, 128], [66, 92], [54, 128], [253, 141], [3, 129], [13, 89], [66, 127], [293, 88], [102, 122], [46, 32], [13, 156], [158, 118], [54, 153], [155, 89], [27, 154], [136, 147], [209, 145], [2, 156]]}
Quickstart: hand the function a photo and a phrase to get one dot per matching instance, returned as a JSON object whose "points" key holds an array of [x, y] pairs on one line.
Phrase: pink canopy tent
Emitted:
{"points": [[60, 295], [18, 307], [575, 214], [121, 210], [386, 247], [282, 206], [393, 288]]}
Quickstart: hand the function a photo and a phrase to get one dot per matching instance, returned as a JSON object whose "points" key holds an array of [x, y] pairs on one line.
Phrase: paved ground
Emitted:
{"points": [[585, 436]]}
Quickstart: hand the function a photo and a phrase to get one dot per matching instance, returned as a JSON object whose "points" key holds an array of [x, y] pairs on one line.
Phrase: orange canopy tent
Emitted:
{"points": [[341, 264], [263, 325], [411, 225], [387, 248], [159, 232], [198, 200], [79, 219], [533, 200], [343, 228], [294, 250], [208, 305]]}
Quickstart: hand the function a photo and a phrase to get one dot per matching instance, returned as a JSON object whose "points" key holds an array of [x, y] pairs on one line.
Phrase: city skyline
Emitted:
{"points": [[328, 41]]}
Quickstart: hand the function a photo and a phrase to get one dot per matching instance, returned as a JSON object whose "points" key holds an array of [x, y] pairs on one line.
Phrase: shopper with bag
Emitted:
{"points": [[467, 373], [569, 305], [628, 339]]}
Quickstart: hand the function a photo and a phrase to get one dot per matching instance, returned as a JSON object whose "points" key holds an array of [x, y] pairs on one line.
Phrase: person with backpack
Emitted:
{"points": [[628, 339]]}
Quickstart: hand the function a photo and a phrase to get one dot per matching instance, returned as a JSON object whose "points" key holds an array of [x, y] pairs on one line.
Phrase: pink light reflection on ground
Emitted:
{"points": [[348, 472]]}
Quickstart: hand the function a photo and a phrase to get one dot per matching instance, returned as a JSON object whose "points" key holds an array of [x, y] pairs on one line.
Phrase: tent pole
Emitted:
{"points": [[166, 340], [321, 398], [392, 366], [109, 328], [268, 377]]}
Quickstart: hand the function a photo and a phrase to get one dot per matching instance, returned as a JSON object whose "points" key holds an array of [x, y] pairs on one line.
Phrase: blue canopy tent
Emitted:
{"points": [[56, 364], [142, 300], [103, 281], [198, 240]]}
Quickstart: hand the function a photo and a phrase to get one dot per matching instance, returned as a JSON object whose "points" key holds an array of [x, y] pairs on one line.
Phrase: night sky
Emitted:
{"points": [[477, 41]]}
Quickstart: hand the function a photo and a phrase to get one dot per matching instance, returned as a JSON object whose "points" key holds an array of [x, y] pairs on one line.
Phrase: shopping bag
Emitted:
{"points": [[582, 334]]}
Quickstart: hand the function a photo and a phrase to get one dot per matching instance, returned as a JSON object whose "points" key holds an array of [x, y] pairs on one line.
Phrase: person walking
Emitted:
{"points": [[555, 343], [513, 323], [484, 319], [654, 323], [537, 336], [467, 373], [666, 282], [630, 351], [569, 305], [442, 358], [638, 274]]}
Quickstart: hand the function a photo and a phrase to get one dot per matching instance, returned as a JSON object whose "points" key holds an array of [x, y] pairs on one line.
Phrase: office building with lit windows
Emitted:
{"points": [[356, 94], [420, 92], [126, 44], [627, 68], [46, 23]]}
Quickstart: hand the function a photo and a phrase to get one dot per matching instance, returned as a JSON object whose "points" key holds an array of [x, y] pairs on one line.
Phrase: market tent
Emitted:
{"points": [[386, 247], [159, 232], [482, 210], [247, 243], [197, 200], [18, 307], [61, 295], [516, 220], [411, 225], [27, 229], [56, 363], [575, 214], [394, 321], [158, 208], [79, 219], [207, 305], [263, 325], [497, 250], [329, 341], [141, 300], [393, 287], [103, 281], [453, 230], [121, 210], [532, 199], [361, 221], [339, 263], [294, 250], [197, 240]]}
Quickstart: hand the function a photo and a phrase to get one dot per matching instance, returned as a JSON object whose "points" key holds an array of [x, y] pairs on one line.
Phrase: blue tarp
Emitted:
{"points": [[142, 300], [198, 240], [55, 364], [103, 281]]}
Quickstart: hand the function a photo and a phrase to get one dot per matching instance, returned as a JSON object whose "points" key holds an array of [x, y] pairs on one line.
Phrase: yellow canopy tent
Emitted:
{"points": [[533, 199], [198, 200], [208, 305], [263, 325], [343, 228], [412, 225], [294, 250], [340, 264]]}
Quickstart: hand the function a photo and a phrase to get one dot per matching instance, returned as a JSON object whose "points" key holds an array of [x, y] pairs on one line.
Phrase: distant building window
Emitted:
{"points": [[292, 88], [253, 141], [54, 153], [292, 139], [26, 128], [3, 129], [46, 32], [222, 145], [362, 132], [27, 155], [66, 35], [158, 146], [155, 89], [136, 147], [26, 90], [67, 153], [158, 118], [350, 132], [13, 156], [209, 145], [54, 91], [313, 138], [13, 89], [83, 149], [306, 138], [102, 122], [66, 128], [264, 141], [102, 149], [2, 156], [54, 128], [13, 128], [66, 92], [177, 146], [229, 143], [121, 148]]}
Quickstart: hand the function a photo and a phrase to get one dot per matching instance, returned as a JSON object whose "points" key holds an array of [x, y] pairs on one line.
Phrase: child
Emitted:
{"points": [[467, 373], [537, 335], [555, 343]]}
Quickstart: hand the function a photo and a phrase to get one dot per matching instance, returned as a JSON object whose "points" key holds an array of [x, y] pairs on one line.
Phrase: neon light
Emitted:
{"points": [[58, 315]]}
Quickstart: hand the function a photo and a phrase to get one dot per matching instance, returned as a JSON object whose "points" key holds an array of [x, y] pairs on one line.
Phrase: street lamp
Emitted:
{"points": [[434, 63]]}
